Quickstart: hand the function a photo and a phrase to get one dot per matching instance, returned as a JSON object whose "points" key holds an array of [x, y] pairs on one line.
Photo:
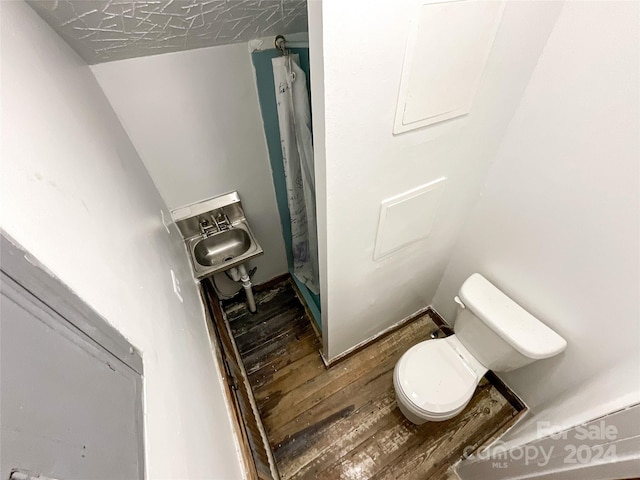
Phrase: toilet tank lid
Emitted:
{"points": [[510, 321]]}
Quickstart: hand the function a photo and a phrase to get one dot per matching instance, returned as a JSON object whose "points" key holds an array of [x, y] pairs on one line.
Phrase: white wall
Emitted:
{"points": [[194, 118], [365, 163], [557, 224], [316, 58], [567, 455], [76, 195]]}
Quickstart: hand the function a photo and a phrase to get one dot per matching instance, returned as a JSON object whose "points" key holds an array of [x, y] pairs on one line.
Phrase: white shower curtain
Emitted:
{"points": [[294, 119]]}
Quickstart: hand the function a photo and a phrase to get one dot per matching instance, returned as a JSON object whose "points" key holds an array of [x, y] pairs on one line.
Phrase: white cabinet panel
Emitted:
{"points": [[447, 49], [70, 409], [407, 218]]}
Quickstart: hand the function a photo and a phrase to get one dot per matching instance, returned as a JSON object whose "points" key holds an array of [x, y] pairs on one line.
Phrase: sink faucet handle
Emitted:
{"points": [[222, 221], [205, 226], [216, 221]]}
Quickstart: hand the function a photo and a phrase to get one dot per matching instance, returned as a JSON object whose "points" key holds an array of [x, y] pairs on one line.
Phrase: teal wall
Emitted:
{"points": [[267, 99]]}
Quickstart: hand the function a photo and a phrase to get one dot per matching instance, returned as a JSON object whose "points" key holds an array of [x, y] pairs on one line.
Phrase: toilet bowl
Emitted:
{"points": [[435, 379]]}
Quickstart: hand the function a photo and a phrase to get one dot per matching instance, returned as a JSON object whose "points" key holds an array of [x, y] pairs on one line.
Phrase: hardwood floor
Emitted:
{"points": [[343, 422]]}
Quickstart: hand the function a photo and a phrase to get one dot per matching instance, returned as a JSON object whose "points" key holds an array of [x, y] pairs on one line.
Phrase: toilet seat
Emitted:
{"points": [[434, 381]]}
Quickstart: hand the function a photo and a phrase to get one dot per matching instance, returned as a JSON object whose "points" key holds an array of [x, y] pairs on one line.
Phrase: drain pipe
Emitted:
{"points": [[239, 274]]}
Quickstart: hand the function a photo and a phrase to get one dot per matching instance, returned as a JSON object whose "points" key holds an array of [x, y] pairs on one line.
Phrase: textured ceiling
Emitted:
{"points": [[106, 30]]}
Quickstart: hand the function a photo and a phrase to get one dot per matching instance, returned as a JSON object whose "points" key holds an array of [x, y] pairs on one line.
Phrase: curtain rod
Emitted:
{"points": [[261, 44], [281, 44]]}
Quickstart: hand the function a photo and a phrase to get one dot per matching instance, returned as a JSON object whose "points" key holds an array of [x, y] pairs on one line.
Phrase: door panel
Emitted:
{"points": [[70, 409]]}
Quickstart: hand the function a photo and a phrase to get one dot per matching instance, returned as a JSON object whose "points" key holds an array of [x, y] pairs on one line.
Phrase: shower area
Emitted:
{"points": [[282, 78]]}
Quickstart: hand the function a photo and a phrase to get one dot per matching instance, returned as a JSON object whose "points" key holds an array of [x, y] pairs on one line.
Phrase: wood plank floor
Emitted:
{"points": [[343, 422]]}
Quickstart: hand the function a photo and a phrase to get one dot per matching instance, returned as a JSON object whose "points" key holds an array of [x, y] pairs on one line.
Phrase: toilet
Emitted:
{"points": [[435, 379]]}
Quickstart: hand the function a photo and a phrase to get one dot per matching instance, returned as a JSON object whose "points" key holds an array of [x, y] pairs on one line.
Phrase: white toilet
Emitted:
{"points": [[434, 380]]}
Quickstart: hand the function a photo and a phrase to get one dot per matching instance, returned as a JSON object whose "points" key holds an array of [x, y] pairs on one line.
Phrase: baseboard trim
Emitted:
{"points": [[440, 321], [241, 439], [216, 318], [506, 392], [356, 348], [261, 287], [306, 306]]}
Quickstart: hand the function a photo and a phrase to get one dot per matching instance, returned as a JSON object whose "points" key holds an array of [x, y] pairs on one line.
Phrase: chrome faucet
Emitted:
{"points": [[205, 227], [222, 221]]}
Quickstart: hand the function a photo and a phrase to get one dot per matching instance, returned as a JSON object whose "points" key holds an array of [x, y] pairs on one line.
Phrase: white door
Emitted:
{"points": [[70, 408]]}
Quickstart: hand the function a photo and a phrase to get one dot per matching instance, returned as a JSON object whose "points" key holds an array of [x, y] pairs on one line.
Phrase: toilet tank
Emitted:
{"points": [[499, 332]]}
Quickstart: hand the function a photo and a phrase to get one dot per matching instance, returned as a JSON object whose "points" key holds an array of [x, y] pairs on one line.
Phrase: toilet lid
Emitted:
{"points": [[435, 378]]}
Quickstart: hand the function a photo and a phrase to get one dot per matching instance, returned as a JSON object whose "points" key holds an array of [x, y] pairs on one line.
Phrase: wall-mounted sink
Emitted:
{"points": [[221, 247], [217, 234], [222, 250]]}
